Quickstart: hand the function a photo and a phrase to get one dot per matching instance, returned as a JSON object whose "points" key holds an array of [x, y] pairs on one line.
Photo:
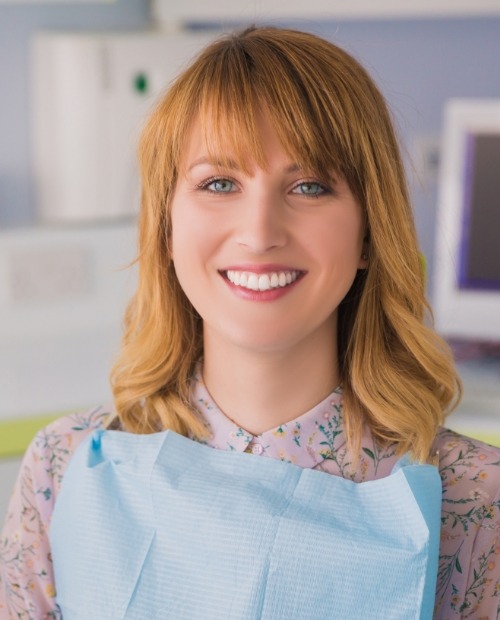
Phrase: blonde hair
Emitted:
{"points": [[397, 374]]}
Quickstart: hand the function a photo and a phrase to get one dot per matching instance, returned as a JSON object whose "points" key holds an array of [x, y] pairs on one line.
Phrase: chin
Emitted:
{"points": [[262, 342]]}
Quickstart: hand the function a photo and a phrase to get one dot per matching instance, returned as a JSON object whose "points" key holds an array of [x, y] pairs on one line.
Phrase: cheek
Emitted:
{"points": [[190, 251], [178, 226], [340, 238], [197, 232], [184, 237]]}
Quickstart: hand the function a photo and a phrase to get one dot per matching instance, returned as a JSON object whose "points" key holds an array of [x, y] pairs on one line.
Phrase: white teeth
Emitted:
{"points": [[253, 282], [261, 282], [264, 282]]}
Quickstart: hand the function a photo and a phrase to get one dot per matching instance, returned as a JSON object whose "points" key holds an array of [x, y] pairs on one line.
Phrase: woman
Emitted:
{"points": [[280, 312]]}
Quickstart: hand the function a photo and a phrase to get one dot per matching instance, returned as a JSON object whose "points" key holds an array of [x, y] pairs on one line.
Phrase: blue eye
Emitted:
{"points": [[309, 188], [219, 186]]}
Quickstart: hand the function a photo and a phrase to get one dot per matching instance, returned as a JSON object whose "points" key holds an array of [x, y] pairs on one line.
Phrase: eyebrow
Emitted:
{"points": [[232, 164], [212, 162]]}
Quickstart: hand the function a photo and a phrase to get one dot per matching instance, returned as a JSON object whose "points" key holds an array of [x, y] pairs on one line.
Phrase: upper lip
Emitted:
{"points": [[260, 268]]}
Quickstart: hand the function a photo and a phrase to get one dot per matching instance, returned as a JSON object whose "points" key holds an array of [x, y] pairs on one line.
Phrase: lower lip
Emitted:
{"points": [[269, 295]]}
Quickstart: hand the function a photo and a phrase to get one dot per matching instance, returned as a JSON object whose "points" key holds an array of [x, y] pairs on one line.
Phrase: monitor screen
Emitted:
{"points": [[479, 264]]}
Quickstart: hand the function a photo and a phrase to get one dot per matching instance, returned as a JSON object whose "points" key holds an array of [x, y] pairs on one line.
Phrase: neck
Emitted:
{"points": [[260, 391]]}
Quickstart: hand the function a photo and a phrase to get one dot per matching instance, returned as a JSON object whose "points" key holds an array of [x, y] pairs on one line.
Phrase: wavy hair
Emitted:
{"points": [[397, 374]]}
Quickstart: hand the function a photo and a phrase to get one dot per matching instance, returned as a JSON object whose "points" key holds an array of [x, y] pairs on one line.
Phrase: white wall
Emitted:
{"points": [[63, 291]]}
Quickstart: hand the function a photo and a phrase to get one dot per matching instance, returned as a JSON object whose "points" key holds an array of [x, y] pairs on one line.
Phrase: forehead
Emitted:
{"points": [[228, 146]]}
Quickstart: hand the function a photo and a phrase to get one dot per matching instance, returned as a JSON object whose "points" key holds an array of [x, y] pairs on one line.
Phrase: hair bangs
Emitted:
{"points": [[301, 117], [228, 109]]}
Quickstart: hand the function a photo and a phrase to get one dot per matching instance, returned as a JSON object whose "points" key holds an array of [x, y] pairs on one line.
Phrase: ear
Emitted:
{"points": [[365, 257]]}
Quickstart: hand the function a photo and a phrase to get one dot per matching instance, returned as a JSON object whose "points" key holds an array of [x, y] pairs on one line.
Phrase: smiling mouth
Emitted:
{"points": [[262, 281]]}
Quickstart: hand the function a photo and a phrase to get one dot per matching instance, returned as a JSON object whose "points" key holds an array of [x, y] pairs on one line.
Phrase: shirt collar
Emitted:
{"points": [[305, 441]]}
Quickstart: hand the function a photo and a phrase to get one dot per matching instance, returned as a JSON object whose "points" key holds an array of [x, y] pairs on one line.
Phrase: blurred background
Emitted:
{"points": [[78, 78]]}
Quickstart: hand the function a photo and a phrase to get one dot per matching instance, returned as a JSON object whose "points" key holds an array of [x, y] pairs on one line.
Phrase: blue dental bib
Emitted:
{"points": [[161, 527]]}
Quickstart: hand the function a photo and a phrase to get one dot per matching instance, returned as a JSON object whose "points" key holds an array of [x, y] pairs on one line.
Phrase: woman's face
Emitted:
{"points": [[266, 257]]}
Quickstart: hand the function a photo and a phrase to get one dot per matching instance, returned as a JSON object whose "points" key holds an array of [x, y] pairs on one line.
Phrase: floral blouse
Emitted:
{"points": [[468, 584]]}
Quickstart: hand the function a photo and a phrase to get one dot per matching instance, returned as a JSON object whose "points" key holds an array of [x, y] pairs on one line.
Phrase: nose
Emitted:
{"points": [[262, 223]]}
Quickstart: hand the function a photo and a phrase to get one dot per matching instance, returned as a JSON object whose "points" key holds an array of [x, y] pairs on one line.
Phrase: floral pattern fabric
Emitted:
{"points": [[468, 584]]}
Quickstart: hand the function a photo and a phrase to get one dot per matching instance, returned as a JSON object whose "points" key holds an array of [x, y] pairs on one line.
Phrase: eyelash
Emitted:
{"points": [[204, 185], [324, 189]]}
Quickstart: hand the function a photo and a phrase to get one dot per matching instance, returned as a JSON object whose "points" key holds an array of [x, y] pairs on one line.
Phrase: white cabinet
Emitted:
{"points": [[92, 94]]}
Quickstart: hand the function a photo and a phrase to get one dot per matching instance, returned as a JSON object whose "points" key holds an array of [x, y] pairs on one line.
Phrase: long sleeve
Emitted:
{"points": [[469, 569], [26, 578], [27, 589], [481, 598]]}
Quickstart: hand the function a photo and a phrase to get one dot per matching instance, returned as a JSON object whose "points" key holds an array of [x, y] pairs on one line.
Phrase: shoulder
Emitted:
{"points": [[469, 468], [470, 474], [453, 445], [53, 446]]}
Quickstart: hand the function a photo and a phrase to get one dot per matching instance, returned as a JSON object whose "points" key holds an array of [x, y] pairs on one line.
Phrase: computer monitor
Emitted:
{"points": [[466, 297]]}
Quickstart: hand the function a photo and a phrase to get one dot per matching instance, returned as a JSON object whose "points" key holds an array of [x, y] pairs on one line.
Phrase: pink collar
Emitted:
{"points": [[305, 441]]}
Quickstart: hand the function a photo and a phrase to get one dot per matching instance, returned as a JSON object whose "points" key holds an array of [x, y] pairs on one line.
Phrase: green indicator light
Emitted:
{"points": [[141, 84]]}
